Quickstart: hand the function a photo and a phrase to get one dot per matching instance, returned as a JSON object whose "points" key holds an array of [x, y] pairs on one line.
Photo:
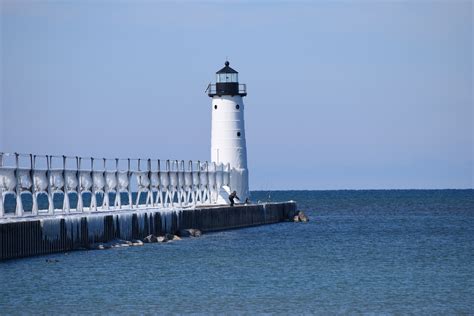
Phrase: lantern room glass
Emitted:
{"points": [[227, 77]]}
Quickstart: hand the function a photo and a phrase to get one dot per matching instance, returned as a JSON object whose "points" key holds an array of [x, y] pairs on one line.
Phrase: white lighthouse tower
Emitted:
{"points": [[228, 144]]}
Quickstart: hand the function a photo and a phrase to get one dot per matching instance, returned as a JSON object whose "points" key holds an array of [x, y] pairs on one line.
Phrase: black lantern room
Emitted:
{"points": [[227, 83]]}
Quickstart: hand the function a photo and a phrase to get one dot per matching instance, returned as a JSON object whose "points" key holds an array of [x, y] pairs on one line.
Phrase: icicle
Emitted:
{"points": [[95, 226], [125, 222], [73, 228], [51, 228], [141, 220], [166, 220]]}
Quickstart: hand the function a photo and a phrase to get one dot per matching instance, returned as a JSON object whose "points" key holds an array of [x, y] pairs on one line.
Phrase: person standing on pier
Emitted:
{"points": [[233, 196]]}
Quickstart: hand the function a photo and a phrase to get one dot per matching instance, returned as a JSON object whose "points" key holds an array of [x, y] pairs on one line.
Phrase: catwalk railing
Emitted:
{"points": [[108, 182]]}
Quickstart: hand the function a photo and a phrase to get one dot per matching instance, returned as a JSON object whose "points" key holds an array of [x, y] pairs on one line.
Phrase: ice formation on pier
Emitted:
{"points": [[94, 224], [172, 185], [51, 229]]}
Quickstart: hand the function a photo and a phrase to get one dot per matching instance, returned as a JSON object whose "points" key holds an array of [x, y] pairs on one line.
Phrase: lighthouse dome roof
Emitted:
{"points": [[227, 70]]}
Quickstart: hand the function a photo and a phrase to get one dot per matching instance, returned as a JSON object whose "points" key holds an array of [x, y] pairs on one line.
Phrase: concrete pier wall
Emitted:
{"points": [[22, 237]]}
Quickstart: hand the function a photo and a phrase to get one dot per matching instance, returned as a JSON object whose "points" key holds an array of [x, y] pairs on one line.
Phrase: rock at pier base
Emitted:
{"points": [[137, 243], [161, 239], [191, 232], [150, 239], [153, 239], [117, 243], [300, 217]]}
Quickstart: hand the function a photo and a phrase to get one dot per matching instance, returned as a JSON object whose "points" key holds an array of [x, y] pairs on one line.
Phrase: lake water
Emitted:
{"points": [[363, 252]]}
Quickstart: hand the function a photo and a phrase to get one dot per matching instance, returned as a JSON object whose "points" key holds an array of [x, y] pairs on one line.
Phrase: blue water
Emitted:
{"points": [[369, 252]]}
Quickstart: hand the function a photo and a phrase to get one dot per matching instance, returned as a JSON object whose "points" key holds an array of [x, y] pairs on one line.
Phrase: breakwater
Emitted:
{"points": [[29, 236]]}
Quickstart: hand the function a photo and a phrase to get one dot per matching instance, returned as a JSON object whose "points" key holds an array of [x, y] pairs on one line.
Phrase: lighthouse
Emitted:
{"points": [[228, 144]]}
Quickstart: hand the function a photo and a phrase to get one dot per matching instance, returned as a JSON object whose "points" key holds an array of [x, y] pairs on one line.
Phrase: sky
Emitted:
{"points": [[341, 94]]}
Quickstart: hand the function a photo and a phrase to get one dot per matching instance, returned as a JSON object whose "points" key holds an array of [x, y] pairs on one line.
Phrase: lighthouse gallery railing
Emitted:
{"points": [[211, 89], [164, 183]]}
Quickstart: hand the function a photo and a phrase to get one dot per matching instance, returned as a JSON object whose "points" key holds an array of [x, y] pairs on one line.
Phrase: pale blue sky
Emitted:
{"points": [[341, 95]]}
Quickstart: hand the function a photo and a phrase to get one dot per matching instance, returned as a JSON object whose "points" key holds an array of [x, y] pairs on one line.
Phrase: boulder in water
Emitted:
{"points": [[161, 239], [118, 243], [150, 239], [185, 232], [191, 232], [302, 217], [137, 242], [100, 246], [121, 243]]}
